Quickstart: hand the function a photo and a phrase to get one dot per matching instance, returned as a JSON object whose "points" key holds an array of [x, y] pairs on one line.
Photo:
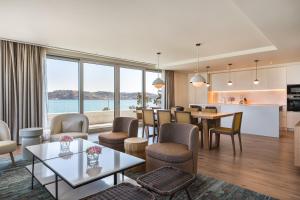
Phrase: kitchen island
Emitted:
{"points": [[258, 119]]}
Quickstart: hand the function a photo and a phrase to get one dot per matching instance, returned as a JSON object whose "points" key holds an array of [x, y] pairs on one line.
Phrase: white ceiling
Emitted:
{"points": [[236, 31]]}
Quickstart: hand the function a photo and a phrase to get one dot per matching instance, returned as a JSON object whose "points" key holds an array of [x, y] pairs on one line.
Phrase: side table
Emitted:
{"points": [[30, 136], [136, 147]]}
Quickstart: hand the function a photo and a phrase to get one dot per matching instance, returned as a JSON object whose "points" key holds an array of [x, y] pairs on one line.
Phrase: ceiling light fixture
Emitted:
{"points": [[197, 80], [207, 82], [229, 75], [158, 82], [256, 81]]}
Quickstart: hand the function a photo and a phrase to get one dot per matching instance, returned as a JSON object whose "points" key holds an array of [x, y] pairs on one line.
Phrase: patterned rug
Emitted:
{"points": [[15, 183]]}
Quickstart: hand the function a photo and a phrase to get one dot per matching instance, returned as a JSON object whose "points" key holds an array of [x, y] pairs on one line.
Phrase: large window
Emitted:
{"points": [[153, 96], [98, 93], [62, 84], [131, 91]]}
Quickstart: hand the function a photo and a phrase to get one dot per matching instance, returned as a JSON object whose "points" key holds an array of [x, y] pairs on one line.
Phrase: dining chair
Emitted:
{"points": [[234, 130], [183, 117], [196, 106], [139, 113], [163, 117], [176, 108], [149, 121]]}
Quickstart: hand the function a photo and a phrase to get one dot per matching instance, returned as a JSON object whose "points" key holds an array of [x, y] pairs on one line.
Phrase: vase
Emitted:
{"points": [[64, 146], [92, 159]]}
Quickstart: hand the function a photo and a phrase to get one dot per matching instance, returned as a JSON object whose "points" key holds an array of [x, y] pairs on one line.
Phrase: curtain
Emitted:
{"points": [[169, 89], [21, 82]]}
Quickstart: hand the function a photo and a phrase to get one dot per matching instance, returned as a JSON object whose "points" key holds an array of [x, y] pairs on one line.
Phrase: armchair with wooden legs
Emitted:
{"points": [[6, 144], [234, 130]]}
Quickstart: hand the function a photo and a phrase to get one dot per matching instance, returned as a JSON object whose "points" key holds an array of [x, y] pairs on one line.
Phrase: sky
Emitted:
{"points": [[63, 75]]}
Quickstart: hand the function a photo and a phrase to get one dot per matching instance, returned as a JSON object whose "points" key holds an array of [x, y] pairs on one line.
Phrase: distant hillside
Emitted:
{"points": [[100, 95]]}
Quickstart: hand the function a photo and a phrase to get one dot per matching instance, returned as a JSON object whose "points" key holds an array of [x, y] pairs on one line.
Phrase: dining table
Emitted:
{"points": [[205, 118]]}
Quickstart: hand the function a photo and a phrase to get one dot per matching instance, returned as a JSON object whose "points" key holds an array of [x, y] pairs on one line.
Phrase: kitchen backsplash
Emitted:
{"points": [[251, 97]]}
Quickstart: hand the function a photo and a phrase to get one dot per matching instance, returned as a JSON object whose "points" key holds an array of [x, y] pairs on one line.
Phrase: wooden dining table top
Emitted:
{"points": [[203, 115]]}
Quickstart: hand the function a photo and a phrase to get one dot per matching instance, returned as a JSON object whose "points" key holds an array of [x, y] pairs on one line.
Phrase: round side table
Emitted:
{"points": [[30, 136], [136, 147]]}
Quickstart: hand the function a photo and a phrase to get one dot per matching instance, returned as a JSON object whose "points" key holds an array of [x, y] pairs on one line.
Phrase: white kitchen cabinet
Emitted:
{"points": [[292, 119], [293, 74], [269, 78]]}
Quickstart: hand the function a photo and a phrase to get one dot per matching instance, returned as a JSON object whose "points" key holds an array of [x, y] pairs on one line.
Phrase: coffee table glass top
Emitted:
{"points": [[52, 150], [75, 170]]}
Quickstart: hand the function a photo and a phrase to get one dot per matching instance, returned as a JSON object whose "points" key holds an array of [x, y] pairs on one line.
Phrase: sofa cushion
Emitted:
{"points": [[7, 146], [169, 152], [113, 137], [71, 126], [55, 137]]}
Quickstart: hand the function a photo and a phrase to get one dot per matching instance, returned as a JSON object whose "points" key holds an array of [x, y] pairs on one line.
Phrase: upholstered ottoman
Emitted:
{"points": [[30, 136]]}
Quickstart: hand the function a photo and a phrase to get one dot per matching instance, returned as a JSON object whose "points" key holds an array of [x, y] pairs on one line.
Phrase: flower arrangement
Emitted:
{"points": [[66, 138], [94, 150], [93, 155]]}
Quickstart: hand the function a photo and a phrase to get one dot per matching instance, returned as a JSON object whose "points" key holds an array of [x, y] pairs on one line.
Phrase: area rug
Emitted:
{"points": [[15, 183]]}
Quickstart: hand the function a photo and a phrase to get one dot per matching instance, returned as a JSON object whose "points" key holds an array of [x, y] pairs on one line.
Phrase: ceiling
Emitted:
{"points": [[235, 31]]}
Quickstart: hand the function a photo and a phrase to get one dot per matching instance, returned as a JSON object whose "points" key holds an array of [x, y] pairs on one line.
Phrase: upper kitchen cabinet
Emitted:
{"points": [[269, 78], [293, 74]]}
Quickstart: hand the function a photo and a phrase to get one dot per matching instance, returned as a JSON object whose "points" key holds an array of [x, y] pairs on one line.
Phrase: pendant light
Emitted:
{"points": [[197, 80], [256, 81], [229, 75], [207, 82], [158, 82]]}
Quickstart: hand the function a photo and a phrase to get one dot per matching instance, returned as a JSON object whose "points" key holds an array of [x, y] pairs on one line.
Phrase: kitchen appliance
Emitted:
{"points": [[293, 98], [293, 89]]}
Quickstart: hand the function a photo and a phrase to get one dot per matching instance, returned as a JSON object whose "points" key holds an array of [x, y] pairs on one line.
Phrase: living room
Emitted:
{"points": [[150, 99]]}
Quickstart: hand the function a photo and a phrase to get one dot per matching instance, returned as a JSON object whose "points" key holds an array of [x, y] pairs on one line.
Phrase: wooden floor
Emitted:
{"points": [[265, 165]]}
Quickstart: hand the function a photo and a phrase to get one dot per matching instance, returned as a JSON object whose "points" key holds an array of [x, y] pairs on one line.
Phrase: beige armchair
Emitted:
{"points": [[178, 147], [6, 144], [123, 128], [75, 125]]}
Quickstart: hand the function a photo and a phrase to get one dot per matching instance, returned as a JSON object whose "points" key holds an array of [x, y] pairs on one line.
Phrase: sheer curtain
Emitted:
{"points": [[21, 86], [169, 89]]}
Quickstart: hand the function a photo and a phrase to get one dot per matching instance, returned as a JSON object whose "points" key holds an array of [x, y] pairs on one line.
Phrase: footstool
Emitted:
{"points": [[30, 136], [123, 191], [167, 181], [136, 147]]}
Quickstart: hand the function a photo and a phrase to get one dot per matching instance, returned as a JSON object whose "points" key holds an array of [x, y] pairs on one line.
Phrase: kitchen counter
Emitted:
{"points": [[258, 119]]}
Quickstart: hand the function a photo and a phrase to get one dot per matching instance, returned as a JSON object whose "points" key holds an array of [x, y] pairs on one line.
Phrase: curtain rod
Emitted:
{"points": [[78, 52]]}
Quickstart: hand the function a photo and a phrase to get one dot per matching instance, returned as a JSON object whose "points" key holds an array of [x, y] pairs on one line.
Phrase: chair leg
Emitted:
{"points": [[240, 140], [153, 138], [147, 133], [143, 132], [218, 140], [233, 144], [202, 144], [210, 140], [157, 134], [12, 158]]}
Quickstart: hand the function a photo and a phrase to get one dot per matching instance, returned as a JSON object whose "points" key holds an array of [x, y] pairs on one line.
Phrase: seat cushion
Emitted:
{"points": [[7, 146], [222, 130], [55, 137], [170, 152], [113, 137]]}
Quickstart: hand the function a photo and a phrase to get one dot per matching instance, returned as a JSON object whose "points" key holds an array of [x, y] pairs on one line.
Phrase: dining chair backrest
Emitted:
{"points": [[237, 122], [183, 117], [148, 117], [191, 110], [196, 106], [210, 109], [139, 114], [163, 117]]}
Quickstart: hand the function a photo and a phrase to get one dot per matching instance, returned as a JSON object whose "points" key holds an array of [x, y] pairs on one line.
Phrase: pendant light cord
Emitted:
{"points": [[256, 61], [158, 54], [198, 56]]}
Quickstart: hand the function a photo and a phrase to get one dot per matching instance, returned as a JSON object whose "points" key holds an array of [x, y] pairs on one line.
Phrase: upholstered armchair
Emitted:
{"points": [[6, 144], [178, 147], [73, 124], [123, 128]]}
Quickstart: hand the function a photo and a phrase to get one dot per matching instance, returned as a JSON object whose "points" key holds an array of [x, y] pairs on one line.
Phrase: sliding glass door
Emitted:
{"points": [[131, 91], [62, 84], [98, 95]]}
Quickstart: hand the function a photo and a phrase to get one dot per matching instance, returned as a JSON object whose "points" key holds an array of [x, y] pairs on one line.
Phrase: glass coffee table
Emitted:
{"points": [[68, 175]]}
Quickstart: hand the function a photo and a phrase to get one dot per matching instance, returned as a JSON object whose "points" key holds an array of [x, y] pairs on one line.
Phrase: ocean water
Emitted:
{"points": [[65, 106]]}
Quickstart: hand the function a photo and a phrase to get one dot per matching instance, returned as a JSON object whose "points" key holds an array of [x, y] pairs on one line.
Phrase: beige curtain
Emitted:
{"points": [[169, 89], [21, 75]]}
